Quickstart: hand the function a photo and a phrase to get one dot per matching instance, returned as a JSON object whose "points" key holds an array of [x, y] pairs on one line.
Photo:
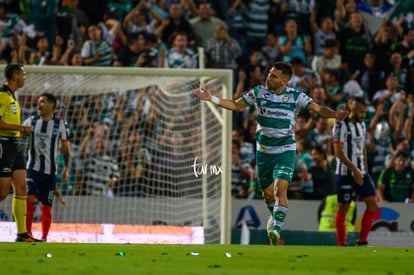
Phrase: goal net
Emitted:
{"points": [[145, 150]]}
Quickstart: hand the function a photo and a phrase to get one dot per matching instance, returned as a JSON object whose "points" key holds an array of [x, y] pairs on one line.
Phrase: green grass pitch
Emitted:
{"points": [[70, 258]]}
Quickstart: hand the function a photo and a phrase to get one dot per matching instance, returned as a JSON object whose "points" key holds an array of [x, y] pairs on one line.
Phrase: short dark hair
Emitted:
{"points": [[297, 61], [306, 143], [240, 131], [402, 154], [285, 67], [203, 2], [331, 43], [50, 98], [174, 35], [320, 150], [406, 30], [12, 69], [360, 100], [400, 140], [236, 142]]}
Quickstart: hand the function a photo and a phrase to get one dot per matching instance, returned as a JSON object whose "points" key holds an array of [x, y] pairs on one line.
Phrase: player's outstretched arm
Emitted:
{"points": [[25, 130], [326, 112], [230, 104]]}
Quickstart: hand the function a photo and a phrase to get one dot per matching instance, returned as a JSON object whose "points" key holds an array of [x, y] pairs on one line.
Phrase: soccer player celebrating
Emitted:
{"points": [[41, 164], [12, 167], [277, 106], [351, 170]]}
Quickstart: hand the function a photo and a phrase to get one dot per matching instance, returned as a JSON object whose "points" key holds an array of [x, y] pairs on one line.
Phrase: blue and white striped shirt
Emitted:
{"points": [[352, 136], [44, 143]]}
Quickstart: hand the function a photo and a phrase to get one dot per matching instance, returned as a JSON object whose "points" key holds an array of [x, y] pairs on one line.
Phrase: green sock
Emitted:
{"points": [[270, 206], [279, 215], [19, 212]]}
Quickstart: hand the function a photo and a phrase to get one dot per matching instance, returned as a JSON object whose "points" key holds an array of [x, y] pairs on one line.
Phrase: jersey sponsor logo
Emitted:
{"points": [[285, 98], [42, 144], [265, 111], [359, 145], [262, 111], [43, 140]]}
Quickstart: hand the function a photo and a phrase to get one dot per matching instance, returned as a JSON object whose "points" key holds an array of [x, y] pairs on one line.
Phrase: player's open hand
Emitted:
{"points": [[341, 114], [202, 94]]}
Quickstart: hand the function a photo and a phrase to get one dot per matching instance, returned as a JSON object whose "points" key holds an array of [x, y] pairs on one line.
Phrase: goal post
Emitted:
{"points": [[186, 161]]}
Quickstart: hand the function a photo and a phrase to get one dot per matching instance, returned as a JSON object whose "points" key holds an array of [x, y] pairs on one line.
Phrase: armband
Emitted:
{"points": [[215, 100]]}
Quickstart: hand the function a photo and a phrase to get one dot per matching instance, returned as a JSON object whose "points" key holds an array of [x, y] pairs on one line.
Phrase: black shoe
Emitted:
{"points": [[362, 243], [26, 238]]}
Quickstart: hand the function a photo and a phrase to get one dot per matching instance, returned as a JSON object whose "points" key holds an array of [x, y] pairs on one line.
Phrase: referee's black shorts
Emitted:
{"points": [[11, 157]]}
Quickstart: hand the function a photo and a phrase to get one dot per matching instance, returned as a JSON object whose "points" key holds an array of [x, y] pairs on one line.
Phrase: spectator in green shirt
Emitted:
{"points": [[396, 184]]}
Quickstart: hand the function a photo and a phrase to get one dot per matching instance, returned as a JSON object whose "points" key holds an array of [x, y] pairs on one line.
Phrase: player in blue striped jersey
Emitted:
{"points": [[277, 107], [351, 170], [50, 134]]}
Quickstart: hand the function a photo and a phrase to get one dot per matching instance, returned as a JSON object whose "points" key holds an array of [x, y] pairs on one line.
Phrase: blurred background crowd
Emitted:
{"points": [[338, 48]]}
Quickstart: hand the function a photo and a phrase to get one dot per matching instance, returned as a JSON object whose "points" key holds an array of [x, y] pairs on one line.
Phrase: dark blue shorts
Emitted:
{"points": [[41, 185], [346, 185]]}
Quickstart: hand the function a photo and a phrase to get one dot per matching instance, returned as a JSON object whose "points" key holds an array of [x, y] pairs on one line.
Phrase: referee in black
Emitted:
{"points": [[12, 163]]}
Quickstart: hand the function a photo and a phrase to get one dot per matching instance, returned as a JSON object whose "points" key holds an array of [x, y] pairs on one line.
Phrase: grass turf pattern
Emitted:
{"points": [[70, 258]]}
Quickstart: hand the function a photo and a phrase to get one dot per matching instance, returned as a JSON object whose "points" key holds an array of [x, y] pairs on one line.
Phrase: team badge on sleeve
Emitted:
{"points": [[250, 97]]}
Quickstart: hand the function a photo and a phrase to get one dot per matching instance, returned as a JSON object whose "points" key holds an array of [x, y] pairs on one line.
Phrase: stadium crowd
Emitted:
{"points": [[339, 49]]}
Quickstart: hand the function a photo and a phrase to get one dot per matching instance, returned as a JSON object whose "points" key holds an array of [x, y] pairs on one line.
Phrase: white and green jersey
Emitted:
{"points": [[257, 18], [12, 23], [276, 117]]}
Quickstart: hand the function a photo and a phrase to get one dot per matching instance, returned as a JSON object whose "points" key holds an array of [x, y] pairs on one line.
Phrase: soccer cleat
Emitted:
{"points": [[269, 224], [26, 238], [274, 237], [362, 243]]}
